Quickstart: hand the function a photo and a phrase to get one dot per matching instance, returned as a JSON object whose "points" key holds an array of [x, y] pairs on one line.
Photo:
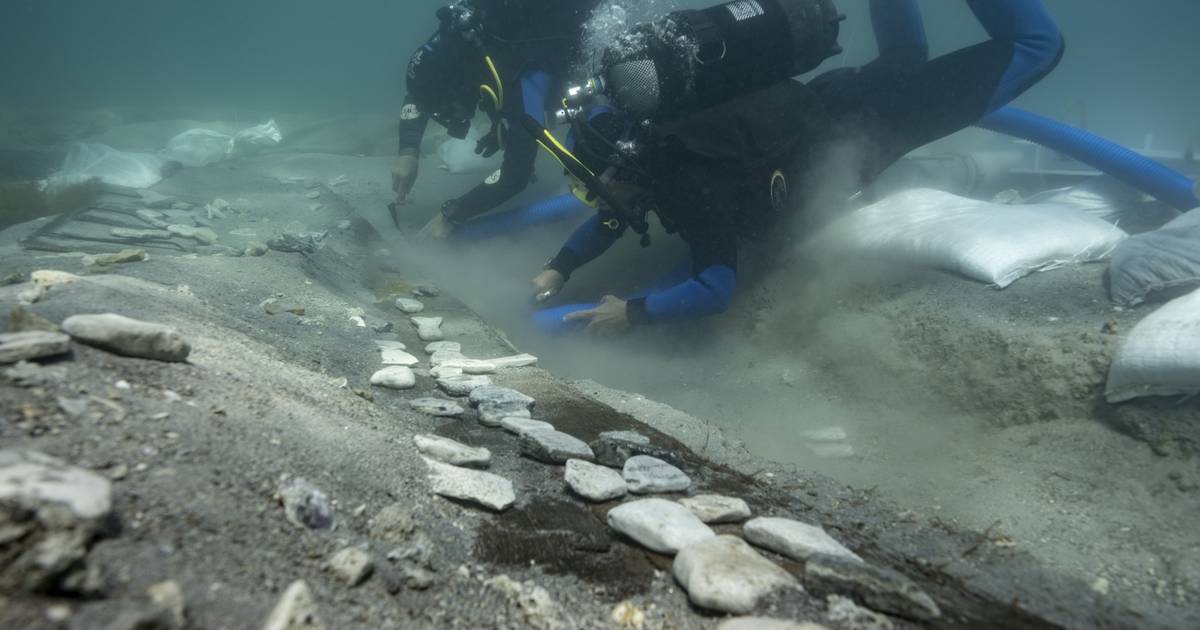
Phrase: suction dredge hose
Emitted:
{"points": [[1154, 179], [1140, 172]]}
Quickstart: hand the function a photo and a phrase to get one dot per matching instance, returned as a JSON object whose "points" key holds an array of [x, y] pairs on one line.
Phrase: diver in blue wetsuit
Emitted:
{"points": [[506, 57], [729, 172]]}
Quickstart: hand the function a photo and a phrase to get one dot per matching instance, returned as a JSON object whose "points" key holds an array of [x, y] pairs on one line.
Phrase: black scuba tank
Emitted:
{"points": [[697, 58]]}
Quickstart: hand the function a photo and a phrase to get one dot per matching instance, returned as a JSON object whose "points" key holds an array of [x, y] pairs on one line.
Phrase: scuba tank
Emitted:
{"points": [[698, 58]]}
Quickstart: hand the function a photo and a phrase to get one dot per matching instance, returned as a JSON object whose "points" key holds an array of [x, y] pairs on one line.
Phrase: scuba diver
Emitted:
{"points": [[719, 144], [505, 57]]}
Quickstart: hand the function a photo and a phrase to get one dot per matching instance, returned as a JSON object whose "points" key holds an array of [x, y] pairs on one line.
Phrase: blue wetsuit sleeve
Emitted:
{"points": [[707, 293], [1036, 39], [585, 245], [899, 31]]}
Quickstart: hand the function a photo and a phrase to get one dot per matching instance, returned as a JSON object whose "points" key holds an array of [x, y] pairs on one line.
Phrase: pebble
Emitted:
{"points": [[497, 403], [881, 589], [275, 306], [439, 358], [520, 426], [657, 524], [796, 540], [426, 290], [397, 356], [52, 278], [128, 337], [140, 235], [306, 506], [843, 612], [390, 344], [648, 475], [443, 346], [123, 256], [201, 234], [428, 328], [409, 305], [296, 610], [27, 346], [594, 483], [482, 488], [153, 218], [468, 366], [256, 249], [451, 452], [727, 575], [169, 596], [437, 407], [352, 565], [395, 377], [614, 448], [443, 372], [462, 385], [763, 623], [554, 447], [314, 195], [21, 319], [514, 361], [714, 508]]}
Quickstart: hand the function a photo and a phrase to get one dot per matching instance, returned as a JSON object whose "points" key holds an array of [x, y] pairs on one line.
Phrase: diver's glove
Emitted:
{"points": [[490, 144]]}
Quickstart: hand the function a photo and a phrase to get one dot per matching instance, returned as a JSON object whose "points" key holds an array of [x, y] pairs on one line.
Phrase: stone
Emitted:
{"points": [[628, 615], [298, 242], [10, 279], [428, 328], [594, 483], [832, 450], [395, 377], [393, 524], [397, 356], [451, 452], [514, 361], [482, 488], [714, 508], [648, 475], [520, 426], [497, 403], [352, 566], [200, 234], [462, 385], [296, 610], [157, 201], [139, 235], [881, 589], [50, 514], [827, 434], [443, 346], [426, 290], [409, 305], [437, 407], [306, 506], [256, 249], [443, 372], [276, 305], [614, 448], [763, 623], [796, 540], [468, 366], [169, 597], [844, 613], [153, 218], [21, 319], [727, 575], [123, 256], [32, 295], [441, 357], [72, 407], [554, 447], [314, 195], [659, 525], [129, 337], [379, 325], [389, 344], [47, 278], [27, 346]]}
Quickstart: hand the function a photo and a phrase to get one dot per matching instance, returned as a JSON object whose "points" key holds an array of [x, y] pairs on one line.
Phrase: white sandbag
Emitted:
{"points": [[458, 156], [199, 147], [1161, 357], [256, 137], [120, 168], [993, 243], [1158, 265]]}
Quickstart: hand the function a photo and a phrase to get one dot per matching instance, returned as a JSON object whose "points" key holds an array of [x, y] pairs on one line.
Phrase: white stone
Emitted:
{"points": [[428, 328], [554, 447], [442, 371], [497, 403], [594, 483], [52, 278], [514, 361], [451, 452], [714, 508], [395, 377], [462, 385], [726, 574], [296, 610], [34, 479], [483, 488], [393, 356], [27, 346], [443, 346], [763, 623], [169, 596], [409, 305], [352, 565], [648, 475], [128, 337], [796, 540], [443, 356], [660, 525], [827, 434], [203, 235], [468, 366], [519, 425], [384, 344], [437, 407]]}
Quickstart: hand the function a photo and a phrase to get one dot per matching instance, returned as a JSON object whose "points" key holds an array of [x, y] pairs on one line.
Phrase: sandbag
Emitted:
{"points": [[199, 147], [458, 156], [1110, 199], [1157, 265], [121, 168], [1161, 357], [989, 242]]}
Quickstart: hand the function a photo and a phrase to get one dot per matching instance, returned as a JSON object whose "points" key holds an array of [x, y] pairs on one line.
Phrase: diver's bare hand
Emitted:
{"points": [[608, 319], [547, 285], [404, 175], [438, 229]]}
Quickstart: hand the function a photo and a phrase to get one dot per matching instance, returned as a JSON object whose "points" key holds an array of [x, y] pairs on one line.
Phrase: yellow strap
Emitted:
{"points": [[499, 93], [486, 91]]}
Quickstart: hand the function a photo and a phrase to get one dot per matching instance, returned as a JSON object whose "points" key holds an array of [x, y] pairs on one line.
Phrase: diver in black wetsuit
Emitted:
{"points": [[507, 56], [728, 172]]}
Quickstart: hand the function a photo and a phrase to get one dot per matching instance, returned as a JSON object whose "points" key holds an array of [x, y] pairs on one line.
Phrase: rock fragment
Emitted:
{"points": [[844, 613], [202, 235], [796, 540], [468, 366], [462, 385], [296, 610], [352, 566], [395, 377], [139, 235], [437, 407], [514, 361], [726, 574], [443, 346], [881, 589], [153, 218], [648, 475], [129, 337], [520, 426], [306, 506], [763, 623], [452, 452], [428, 328], [121, 257], [21, 319], [614, 448], [393, 524], [277, 305], [713, 508], [497, 403], [28, 346], [594, 483], [397, 356], [660, 525], [256, 249], [426, 290], [409, 305], [554, 447], [482, 488], [169, 597]]}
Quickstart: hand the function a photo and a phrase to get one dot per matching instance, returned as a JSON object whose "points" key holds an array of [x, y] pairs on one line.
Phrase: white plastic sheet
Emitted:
{"points": [[202, 147], [990, 242], [120, 168], [1161, 357], [458, 156]]}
